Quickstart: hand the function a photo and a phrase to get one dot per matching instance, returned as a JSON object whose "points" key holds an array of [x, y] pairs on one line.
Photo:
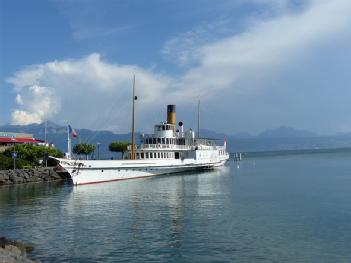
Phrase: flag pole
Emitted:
{"points": [[133, 104], [68, 143], [46, 145], [45, 130]]}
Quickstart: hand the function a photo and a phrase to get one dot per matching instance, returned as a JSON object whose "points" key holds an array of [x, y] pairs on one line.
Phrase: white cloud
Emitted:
{"points": [[94, 93], [19, 100], [266, 46], [22, 117], [85, 91], [36, 103]]}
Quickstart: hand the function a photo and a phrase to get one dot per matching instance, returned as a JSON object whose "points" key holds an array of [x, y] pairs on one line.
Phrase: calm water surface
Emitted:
{"points": [[275, 209]]}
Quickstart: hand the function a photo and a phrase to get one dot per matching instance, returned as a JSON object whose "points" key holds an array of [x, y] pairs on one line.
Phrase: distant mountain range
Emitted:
{"points": [[281, 132], [282, 138], [286, 132]]}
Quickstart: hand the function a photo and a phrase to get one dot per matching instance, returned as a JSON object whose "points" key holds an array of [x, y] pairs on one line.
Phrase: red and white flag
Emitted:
{"points": [[72, 132]]}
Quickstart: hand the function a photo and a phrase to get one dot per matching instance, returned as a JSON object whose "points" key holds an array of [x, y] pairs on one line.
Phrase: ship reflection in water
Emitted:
{"points": [[149, 212]]}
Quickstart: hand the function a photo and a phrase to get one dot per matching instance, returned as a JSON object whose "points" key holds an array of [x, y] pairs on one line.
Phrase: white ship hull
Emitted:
{"points": [[99, 171]]}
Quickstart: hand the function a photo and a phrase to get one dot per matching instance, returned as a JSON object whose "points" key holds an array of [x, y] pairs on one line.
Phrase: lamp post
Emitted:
{"points": [[14, 156], [98, 149], [46, 157]]}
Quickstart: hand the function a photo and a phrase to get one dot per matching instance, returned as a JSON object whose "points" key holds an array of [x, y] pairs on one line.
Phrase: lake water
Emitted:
{"points": [[292, 208]]}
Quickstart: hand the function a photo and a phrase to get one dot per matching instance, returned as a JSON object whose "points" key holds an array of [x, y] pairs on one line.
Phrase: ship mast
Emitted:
{"points": [[198, 119], [133, 104]]}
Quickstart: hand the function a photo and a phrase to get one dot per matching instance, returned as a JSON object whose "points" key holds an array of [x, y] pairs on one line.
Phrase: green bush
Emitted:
{"points": [[7, 162], [31, 153]]}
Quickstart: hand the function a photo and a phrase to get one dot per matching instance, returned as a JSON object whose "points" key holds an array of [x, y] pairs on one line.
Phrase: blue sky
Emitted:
{"points": [[255, 64]]}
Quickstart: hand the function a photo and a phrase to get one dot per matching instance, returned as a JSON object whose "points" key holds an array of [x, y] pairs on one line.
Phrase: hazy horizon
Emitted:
{"points": [[277, 131]]}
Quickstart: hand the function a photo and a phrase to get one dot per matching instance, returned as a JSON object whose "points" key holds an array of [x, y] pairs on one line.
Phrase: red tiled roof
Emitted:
{"points": [[19, 140]]}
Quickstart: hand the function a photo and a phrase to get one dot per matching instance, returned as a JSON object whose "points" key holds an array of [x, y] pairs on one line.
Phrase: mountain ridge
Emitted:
{"points": [[281, 138]]}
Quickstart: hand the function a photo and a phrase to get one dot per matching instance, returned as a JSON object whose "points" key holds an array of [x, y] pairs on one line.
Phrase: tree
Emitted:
{"points": [[119, 147], [84, 148], [32, 154], [7, 162]]}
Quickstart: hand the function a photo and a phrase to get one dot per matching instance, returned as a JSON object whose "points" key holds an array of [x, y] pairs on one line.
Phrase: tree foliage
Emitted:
{"points": [[7, 162], [119, 147], [84, 148], [30, 154]]}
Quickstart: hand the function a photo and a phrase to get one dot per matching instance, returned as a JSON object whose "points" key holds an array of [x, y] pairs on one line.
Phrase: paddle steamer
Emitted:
{"points": [[170, 149]]}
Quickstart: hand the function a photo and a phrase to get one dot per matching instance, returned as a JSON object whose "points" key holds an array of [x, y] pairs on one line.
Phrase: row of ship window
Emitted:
{"points": [[164, 127], [177, 141], [155, 155]]}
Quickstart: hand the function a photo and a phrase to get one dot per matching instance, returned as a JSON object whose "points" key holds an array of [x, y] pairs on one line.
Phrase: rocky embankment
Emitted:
{"points": [[12, 251], [34, 175]]}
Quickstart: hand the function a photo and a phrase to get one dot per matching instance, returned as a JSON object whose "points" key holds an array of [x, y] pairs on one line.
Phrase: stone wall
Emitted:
{"points": [[21, 176], [14, 251]]}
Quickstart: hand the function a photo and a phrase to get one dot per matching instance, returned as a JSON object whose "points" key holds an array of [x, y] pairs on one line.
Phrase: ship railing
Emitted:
{"points": [[165, 147], [207, 147], [175, 147]]}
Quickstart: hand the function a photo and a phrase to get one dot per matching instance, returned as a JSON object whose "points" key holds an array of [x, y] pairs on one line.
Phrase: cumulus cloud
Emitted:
{"points": [[218, 68], [36, 103], [240, 64], [266, 44], [82, 91]]}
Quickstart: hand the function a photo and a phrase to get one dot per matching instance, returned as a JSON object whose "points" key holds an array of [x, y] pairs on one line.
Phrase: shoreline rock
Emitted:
{"points": [[12, 251], [32, 175]]}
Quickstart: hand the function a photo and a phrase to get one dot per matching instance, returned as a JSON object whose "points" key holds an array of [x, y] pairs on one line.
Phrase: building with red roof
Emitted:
{"points": [[12, 138]]}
